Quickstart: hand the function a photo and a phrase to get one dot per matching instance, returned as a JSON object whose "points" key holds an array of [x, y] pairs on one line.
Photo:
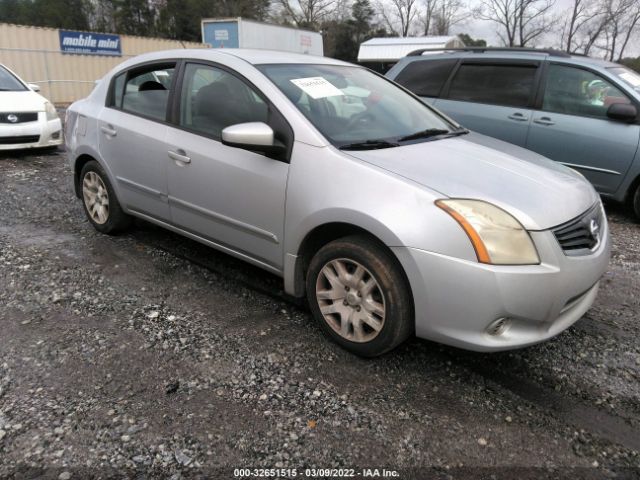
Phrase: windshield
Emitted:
{"points": [[627, 76], [8, 82], [352, 106]]}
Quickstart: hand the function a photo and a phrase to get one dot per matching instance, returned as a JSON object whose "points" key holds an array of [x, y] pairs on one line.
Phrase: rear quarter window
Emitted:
{"points": [[426, 77], [507, 85]]}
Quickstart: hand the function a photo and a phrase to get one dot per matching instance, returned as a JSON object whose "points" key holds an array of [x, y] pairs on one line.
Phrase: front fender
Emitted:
{"points": [[326, 186]]}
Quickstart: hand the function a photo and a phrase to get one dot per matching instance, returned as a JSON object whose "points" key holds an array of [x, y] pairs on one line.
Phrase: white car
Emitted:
{"points": [[27, 119]]}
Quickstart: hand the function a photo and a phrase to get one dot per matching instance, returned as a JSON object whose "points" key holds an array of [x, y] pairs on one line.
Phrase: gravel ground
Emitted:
{"points": [[148, 355]]}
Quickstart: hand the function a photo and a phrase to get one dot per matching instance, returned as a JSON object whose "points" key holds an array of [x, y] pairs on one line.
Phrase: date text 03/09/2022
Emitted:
{"points": [[315, 473]]}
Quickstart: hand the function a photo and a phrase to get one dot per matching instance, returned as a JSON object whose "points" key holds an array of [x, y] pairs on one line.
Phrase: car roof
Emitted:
{"points": [[252, 56], [511, 53]]}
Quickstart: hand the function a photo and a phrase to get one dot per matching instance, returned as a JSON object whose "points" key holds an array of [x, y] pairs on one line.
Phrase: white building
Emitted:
{"points": [[381, 53]]}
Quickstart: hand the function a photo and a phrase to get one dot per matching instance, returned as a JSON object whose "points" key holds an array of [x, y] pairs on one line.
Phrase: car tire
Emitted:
{"points": [[359, 295], [636, 203], [99, 200]]}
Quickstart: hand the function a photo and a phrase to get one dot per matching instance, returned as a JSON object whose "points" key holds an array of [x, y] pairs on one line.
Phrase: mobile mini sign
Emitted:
{"points": [[89, 43]]}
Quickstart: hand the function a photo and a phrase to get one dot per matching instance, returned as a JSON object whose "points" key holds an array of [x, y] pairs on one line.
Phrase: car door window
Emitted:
{"points": [[145, 92], [426, 77], [213, 99], [575, 91], [508, 85]]}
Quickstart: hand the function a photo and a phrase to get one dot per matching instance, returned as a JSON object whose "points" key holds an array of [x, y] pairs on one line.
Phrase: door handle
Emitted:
{"points": [[179, 156], [518, 117], [544, 121], [108, 130]]}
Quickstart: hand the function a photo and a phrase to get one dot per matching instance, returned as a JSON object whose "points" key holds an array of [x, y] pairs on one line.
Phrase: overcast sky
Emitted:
{"points": [[486, 30]]}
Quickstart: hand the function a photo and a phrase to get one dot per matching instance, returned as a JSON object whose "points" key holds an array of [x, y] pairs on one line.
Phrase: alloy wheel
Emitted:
{"points": [[350, 300], [96, 197]]}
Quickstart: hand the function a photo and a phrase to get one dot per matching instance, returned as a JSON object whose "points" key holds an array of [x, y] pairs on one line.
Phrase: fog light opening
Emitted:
{"points": [[499, 327], [55, 135]]}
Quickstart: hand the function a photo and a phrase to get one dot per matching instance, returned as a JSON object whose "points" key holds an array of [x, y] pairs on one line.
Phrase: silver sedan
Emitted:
{"points": [[388, 216]]}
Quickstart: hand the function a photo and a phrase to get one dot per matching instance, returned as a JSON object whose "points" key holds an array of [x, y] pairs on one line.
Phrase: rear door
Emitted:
{"points": [[227, 195], [573, 128], [132, 133], [493, 97]]}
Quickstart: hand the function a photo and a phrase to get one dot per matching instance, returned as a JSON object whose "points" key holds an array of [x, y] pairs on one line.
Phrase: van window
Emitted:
{"points": [[146, 92], [426, 77], [508, 85], [575, 91]]}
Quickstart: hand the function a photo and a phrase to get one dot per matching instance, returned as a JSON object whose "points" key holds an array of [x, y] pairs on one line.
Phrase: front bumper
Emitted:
{"points": [[457, 300], [38, 134]]}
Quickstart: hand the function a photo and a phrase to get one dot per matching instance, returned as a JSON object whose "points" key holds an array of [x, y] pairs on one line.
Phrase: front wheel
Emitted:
{"points": [[99, 200], [358, 294]]}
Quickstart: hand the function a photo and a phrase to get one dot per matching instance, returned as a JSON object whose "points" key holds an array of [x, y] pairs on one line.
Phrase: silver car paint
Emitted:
{"points": [[261, 210], [251, 133]]}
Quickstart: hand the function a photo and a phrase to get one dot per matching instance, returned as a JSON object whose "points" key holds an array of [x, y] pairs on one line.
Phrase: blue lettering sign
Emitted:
{"points": [[89, 43]]}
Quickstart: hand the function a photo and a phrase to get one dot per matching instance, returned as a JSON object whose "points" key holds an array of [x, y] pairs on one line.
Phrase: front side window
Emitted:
{"points": [[144, 92], [575, 91], [426, 77], [9, 83], [213, 99], [351, 105], [506, 85]]}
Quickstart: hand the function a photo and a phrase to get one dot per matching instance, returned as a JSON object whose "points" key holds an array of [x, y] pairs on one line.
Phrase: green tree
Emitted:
{"points": [[134, 17], [470, 42], [362, 14], [70, 14], [632, 63]]}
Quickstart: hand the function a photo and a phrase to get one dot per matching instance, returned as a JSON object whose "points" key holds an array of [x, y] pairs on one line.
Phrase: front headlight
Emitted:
{"points": [[51, 111], [497, 237]]}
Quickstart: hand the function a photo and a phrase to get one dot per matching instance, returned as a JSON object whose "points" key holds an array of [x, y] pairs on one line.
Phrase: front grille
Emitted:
{"points": [[18, 117], [21, 139], [582, 234]]}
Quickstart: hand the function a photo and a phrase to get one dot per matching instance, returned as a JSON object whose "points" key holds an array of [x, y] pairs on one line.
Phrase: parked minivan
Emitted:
{"points": [[576, 110], [389, 217]]}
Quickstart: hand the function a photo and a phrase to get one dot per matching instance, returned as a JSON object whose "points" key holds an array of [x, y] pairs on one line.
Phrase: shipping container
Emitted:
{"points": [[242, 33]]}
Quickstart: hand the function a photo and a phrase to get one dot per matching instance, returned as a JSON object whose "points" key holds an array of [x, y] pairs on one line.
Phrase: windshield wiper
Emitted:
{"points": [[369, 145], [433, 132]]}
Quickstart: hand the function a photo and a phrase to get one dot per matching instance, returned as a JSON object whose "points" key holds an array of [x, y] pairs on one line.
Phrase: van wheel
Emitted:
{"points": [[99, 199], [358, 294], [636, 203]]}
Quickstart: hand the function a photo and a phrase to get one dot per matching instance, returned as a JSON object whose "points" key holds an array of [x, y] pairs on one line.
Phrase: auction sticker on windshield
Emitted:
{"points": [[317, 87]]}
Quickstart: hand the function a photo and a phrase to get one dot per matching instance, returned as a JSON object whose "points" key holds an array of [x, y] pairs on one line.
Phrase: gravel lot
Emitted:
{"points": [[147, 354]]}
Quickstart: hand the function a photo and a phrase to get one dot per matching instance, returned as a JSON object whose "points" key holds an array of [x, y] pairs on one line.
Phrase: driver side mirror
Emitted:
{"points": [[252, 136], [34, 87], [623, 112]]}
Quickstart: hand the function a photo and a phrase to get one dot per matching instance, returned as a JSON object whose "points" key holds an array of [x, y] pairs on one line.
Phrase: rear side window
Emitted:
{"points": [[426, 77], [508, 85], [144, 91]]}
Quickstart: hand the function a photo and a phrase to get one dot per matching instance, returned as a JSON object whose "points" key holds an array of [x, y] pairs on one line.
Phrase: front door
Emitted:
{"points": [[231, 196], [573, 127]]}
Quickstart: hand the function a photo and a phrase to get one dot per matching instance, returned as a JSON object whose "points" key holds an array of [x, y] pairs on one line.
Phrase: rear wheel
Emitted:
{"points": [[99, 199], [636, 203], [359, 296]]}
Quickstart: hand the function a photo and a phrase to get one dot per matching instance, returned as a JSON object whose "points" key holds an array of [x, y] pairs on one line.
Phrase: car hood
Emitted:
{"points": [[540, 193], [24, 101]]}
